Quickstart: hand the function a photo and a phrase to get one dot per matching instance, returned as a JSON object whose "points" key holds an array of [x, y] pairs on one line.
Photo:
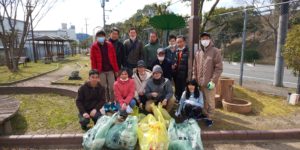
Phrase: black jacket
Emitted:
{"points": [[120, 52], [166, 66], [90, 98], [182, 66]]}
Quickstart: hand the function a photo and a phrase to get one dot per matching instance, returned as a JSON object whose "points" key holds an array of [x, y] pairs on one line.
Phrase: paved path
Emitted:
{"points": [[45, 80]]}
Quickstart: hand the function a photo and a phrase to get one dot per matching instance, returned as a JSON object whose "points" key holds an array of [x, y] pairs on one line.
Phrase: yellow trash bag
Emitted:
{"points": [[152, 134], [135, 111], [161, 114]]}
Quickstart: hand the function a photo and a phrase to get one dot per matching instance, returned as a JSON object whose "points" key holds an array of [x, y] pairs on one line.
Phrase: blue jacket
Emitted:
{"points": [[192, 100]]}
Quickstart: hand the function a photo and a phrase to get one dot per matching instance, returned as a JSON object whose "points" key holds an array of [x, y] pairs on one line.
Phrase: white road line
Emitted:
{"points": [[264, 79]]}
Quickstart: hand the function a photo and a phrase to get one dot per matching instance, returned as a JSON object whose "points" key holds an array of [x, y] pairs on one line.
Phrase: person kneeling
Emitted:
{"points": [[90, 99], [124, 89], [159, 89], [191, 102]]}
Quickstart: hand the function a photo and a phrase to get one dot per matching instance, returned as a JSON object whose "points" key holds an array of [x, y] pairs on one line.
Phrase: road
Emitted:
{"points": [[259, 73]]}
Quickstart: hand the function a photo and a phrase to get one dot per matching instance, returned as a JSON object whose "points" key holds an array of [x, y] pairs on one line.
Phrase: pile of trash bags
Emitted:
{"points": [[152, 132]]}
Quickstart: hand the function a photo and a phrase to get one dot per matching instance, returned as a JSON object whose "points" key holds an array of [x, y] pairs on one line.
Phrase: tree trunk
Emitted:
{"points": [[298, 84]]}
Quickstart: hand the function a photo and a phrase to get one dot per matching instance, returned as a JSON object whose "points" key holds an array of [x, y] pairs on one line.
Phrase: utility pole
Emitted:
{"points": [[243, 48], [103, 6], [282, 31], [86, 32], [193, 34], [29, 9]]}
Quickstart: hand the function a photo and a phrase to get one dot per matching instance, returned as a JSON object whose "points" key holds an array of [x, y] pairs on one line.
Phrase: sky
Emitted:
{"points": [[80, 12]]}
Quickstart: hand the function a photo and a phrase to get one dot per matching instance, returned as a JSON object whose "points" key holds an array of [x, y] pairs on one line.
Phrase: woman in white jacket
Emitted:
{"points": [[141, 76]]}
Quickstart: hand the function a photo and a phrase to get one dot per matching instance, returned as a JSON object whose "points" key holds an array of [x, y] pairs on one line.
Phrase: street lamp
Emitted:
{"points": [[94, 34]]}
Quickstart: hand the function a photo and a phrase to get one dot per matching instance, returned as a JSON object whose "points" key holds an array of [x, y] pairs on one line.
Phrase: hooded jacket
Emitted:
{"points": [[208, 65], [124, 91], [164, 89], [140, 85]]}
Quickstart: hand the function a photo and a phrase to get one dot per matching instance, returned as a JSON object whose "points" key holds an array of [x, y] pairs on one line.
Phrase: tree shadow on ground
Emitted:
{"points": [[257, 106], [19, 124]]}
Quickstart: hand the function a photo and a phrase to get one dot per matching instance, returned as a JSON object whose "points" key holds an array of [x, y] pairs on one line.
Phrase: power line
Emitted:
{"points": [[256, 8]]}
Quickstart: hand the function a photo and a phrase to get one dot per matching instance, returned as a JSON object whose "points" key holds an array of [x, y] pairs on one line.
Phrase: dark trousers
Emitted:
{"points": [[180, 84], [85, 121]]}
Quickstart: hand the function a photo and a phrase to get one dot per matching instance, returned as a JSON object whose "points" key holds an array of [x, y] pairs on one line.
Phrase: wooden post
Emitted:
{"points": [[225, 89], [193, 34]]}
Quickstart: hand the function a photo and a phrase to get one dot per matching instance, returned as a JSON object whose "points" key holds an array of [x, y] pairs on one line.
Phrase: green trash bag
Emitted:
{"points": [[94, 138], [123, 135], [185, 136]]}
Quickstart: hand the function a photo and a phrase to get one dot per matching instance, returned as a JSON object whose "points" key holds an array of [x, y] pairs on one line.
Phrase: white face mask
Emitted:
{"points": [[160, 58], [205, 43], [124, 79]]}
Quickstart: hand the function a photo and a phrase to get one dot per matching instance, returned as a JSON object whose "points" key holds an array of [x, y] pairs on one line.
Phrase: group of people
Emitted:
{"points": [[128, 75]]}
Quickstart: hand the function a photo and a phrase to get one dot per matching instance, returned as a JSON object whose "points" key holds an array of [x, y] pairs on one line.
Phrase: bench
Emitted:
{"points": [[22, 60], [8, 109]]}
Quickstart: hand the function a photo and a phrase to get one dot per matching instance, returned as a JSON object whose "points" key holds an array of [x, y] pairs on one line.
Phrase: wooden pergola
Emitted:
{"points": [[48, 43]]}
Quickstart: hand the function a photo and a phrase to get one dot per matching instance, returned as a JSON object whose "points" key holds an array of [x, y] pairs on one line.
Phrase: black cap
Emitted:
{"points": [[204, 34], [141, 63]]}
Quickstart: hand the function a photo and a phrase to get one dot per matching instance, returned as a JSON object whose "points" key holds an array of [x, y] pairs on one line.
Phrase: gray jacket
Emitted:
{"points": [[164, 90]]}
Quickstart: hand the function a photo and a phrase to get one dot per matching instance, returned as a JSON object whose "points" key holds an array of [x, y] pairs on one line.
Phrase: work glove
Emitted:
{"points": [[210, 85]]}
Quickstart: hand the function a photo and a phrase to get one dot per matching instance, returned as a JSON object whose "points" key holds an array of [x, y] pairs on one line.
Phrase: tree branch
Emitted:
{"points": [[208, 15]]}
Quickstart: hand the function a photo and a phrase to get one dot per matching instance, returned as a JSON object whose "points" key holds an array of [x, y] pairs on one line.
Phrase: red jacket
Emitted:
{"points": [[96, 57], [124, 90]]}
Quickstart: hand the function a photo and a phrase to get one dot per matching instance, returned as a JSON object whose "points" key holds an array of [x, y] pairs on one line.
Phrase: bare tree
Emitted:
{"points": [[203, 19], [271, 18], [13, 32]]}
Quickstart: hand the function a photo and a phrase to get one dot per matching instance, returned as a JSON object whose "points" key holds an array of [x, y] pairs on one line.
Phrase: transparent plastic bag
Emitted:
{"points": [[123, 135], [94, 138], [185, 136]]}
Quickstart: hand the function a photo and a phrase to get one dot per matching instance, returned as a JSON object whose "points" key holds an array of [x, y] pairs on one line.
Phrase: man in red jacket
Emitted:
{"points": [[104, 59]]}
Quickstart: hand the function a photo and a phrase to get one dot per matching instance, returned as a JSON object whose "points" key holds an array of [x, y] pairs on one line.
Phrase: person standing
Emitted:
{"points": [[150, 50], [133, 49], [207, 70], [181, 72], [103, 58], [90, 99], [164, 63], [119, 47]]}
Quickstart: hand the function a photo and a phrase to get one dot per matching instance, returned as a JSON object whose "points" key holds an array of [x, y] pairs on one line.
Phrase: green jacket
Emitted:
{"points": [[150, 51]]}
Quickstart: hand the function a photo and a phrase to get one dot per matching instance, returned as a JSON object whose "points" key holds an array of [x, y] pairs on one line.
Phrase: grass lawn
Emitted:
{"points": [[83, 66], [51, 113], [31, 69], [46, 114], [268, 112]]}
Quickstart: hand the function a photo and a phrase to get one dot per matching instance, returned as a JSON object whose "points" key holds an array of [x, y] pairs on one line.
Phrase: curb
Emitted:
{"points": [[5, 90], [75, 140], [29, 78]]}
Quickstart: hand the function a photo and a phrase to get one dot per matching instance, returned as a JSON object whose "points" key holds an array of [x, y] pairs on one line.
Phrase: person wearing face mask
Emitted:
{"points": [[171, 53], [164, 63], [181, 72], [207, 69], [103, 58], [124, 89], [133, 49], [150, 50], [140, 76]]}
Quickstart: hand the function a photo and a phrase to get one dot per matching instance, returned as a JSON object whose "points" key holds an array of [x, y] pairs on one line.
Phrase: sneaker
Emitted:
{"points": [[209, 122], [85, 128]]}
